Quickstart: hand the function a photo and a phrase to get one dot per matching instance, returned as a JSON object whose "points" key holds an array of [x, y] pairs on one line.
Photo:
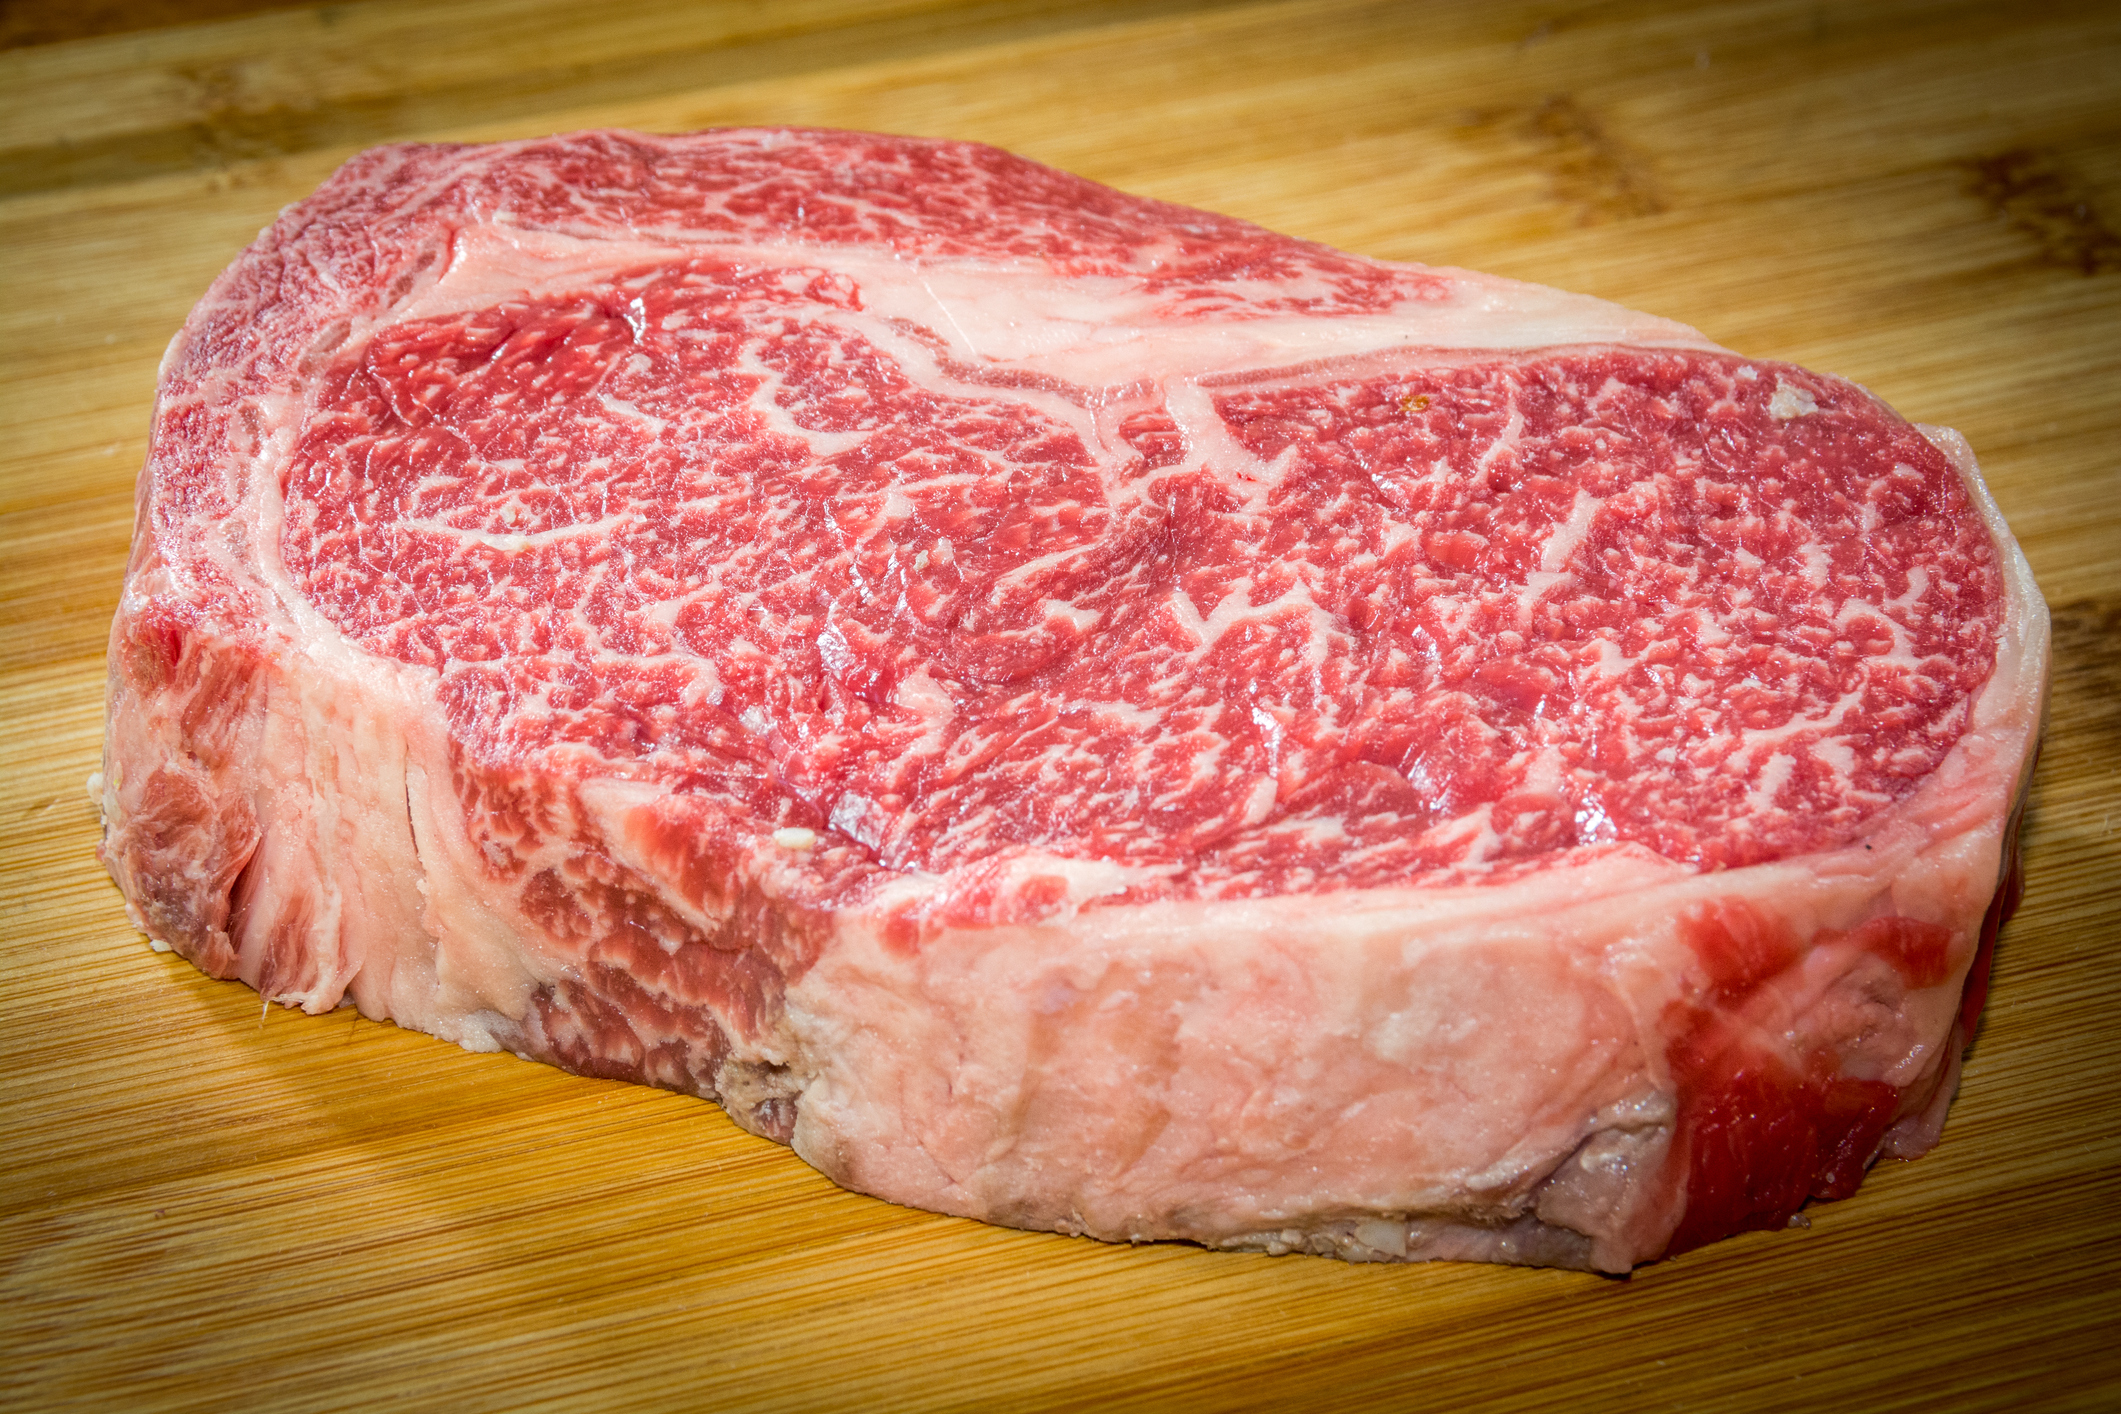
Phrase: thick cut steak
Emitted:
{"points": [[1071, 710]]}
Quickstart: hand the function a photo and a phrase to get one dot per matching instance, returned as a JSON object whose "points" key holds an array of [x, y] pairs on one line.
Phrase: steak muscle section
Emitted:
{"points": [[1071, 710]]}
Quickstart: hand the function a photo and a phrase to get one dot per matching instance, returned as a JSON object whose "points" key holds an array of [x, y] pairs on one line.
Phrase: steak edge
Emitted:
{"points": [[1069, 710]]}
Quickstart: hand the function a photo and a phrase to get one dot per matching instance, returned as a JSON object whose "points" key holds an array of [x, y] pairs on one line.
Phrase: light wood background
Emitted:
{"points": [[203, 1206]]}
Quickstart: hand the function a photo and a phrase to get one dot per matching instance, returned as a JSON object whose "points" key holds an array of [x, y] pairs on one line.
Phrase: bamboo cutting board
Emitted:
{"points": [[203, 1205]]}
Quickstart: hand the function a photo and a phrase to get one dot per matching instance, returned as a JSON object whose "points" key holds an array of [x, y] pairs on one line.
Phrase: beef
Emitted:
{"points": [[1069, 710]]}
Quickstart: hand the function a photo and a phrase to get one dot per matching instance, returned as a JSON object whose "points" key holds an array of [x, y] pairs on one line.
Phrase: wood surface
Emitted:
{"points": [[208, 1206]]}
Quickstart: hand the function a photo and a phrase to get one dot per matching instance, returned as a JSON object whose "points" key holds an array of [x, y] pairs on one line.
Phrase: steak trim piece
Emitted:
{"points": [[1070, 710]]}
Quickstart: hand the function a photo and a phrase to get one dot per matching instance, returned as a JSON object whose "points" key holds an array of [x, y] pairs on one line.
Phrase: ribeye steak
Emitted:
{"points": [[1071, 710]]}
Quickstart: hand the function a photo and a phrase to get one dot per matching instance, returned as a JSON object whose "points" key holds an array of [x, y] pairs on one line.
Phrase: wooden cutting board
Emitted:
{"points": [[208, 1205]]}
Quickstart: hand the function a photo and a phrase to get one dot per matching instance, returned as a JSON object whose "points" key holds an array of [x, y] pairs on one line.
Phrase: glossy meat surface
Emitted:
{"points": [[1071, 710]]}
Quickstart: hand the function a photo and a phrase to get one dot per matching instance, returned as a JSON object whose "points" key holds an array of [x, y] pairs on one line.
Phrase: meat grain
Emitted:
{"points": [[1070, 710]]}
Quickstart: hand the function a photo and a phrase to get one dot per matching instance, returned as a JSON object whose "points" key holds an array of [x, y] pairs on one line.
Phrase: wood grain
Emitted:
{"points": [[206, 1206]]}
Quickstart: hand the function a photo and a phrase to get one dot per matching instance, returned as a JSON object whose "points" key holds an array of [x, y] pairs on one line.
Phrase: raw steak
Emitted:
{"points": [[1070, 710]]}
